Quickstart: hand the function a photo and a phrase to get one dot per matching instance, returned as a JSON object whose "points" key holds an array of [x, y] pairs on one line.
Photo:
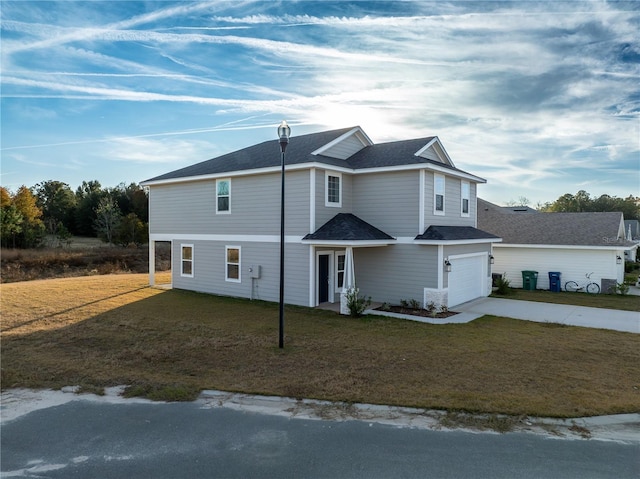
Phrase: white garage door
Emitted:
{"points": [[466, 279]]}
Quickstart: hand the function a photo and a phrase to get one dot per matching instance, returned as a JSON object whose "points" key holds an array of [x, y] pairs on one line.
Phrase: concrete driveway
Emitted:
{"points": [[627, 321]]}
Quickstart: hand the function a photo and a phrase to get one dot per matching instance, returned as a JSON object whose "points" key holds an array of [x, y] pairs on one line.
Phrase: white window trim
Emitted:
{"points": [[226, 264], [182, 260], [462, 198], [327, 203], [435, 193], [336, 283], [228, 180]]}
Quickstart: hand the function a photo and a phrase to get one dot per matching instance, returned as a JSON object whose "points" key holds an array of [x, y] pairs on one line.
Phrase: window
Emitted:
{"points": [[232, 264], [438, 195], [223, 196], [334, 189], [340, 271], [186, 268], [464, 194]]}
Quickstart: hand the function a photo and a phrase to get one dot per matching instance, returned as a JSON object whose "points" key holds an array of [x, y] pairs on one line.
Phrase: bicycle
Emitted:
{"points": [[588, 286]]}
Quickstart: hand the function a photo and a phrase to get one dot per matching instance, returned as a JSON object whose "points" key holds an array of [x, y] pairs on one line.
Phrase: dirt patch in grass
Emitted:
{"points": [[103, 331], [608, 301]]}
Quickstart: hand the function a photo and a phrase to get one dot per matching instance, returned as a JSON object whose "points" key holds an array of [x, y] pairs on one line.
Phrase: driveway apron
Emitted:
{"points": [[627, 321]]}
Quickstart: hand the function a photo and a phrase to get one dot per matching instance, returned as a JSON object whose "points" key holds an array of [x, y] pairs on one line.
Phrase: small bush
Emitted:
{"points": [[414, 304], [619, 288], [503, 286], [357, 304]]}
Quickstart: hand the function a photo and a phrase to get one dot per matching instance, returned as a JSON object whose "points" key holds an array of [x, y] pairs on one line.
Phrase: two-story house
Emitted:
{"points": [[399, 215]]}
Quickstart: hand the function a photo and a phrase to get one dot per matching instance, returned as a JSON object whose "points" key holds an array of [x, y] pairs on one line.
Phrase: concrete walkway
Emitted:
{"points": [[627, 321]]}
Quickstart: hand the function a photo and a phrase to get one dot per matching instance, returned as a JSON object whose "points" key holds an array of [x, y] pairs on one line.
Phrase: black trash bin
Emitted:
{"points": [[529, 280], [554, 281]]}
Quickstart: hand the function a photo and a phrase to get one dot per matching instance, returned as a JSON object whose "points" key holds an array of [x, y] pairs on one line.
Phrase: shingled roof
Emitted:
{"points": [[575, 229], [348, 227], [299, 149], [454, 233], [262, 155]]}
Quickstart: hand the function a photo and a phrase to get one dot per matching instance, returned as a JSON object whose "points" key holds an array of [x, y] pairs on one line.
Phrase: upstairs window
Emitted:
{"points": [[186, 268], [438, 194], [464, 195], [333, 183], [232, 264], [223, 196]]}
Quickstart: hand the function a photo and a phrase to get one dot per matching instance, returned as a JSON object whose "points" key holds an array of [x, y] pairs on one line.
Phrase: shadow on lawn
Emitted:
{"points": [[172, 344]]}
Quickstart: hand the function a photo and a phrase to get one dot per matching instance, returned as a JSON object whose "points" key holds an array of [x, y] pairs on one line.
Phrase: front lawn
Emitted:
{"points": [[110, 330], [608, 301]]}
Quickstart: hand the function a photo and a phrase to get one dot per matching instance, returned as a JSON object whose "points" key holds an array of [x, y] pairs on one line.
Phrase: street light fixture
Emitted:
{"points": [[283, 133]]}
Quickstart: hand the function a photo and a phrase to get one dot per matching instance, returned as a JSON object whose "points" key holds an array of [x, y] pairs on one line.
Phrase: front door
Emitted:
{"points": [[323, 278]]}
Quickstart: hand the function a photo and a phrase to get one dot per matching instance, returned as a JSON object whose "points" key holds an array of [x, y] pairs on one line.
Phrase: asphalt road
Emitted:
{"points": [[89, 439]]}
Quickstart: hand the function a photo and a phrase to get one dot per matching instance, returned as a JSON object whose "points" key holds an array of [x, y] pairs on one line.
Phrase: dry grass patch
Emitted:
{"points": [[110, 330]]}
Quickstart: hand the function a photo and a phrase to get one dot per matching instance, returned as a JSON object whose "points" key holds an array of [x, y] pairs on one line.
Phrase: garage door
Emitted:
{"points": [[466, 279]]}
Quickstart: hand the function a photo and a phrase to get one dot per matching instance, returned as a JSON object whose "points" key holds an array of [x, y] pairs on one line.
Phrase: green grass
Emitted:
{"points": [[609, 301], [104, 331]]}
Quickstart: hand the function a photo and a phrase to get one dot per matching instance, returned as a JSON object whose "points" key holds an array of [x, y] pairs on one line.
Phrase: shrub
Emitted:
{"points": [[357, 304], [503, 286], [414, 304], [619, 288]]}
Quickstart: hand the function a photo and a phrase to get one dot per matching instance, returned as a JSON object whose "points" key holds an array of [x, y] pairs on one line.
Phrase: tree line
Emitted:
{"points": [[49, 213], [584, 202]]}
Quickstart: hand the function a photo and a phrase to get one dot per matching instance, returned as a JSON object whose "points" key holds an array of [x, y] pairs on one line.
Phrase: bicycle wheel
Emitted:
{"points": [[571, 286], [593, 288]]}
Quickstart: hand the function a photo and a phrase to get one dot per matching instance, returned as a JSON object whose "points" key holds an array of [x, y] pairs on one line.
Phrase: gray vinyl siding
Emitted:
{"points": [[209, 270], [430, 154], [325, 213], [255, 206], [388, 201], [345, 148], [392, 273], [452, 203]]}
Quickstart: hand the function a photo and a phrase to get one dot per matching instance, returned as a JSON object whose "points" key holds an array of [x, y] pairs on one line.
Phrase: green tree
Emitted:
{"points": [[10, 224], [88, 196], [108, 218], [58, 205], [582, 201], [131, 231]]}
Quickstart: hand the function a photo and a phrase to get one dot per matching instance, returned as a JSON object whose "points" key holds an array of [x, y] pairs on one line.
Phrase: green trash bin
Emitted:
{"points": [[529, 280]]}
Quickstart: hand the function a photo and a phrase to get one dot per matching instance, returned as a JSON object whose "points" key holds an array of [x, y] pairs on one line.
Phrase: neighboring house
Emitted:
{"points": [[632, 231], [396, 214], [573, 244]]}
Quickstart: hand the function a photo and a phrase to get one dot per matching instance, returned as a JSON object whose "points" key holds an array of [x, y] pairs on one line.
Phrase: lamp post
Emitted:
{"points": [[283, 133]]}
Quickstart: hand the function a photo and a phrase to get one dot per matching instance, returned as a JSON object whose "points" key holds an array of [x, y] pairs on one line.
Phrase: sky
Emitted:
{"points": [[539, 98]]}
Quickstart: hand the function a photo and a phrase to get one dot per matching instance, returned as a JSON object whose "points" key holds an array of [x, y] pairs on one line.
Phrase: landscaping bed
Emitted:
{"points": [[421, 312]]}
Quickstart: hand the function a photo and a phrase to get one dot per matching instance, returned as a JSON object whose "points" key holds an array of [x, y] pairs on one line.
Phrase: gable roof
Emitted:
{"points": [[569, 229], [306, 149], [348, 227]]}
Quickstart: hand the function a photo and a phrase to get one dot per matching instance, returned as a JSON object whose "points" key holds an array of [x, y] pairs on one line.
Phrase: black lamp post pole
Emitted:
{"points": [[283, 132]]}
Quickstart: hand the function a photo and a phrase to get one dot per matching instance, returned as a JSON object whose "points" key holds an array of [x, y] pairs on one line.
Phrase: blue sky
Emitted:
{"points": [[539, 98]]}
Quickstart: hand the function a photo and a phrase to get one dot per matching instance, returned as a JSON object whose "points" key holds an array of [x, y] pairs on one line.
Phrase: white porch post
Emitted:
{"points": [[152, 262], [349, 280]]}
